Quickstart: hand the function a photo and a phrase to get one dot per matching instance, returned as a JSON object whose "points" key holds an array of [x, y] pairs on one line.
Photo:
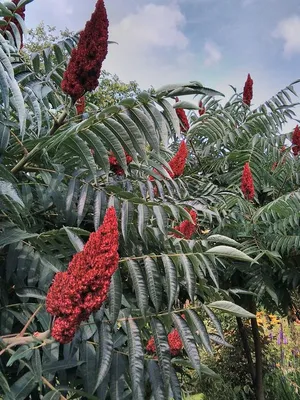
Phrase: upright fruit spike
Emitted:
{"points": [[86, 60], [184, 123], [247, 185], [296, 141], [248, 91], [83, 288], [177, 163]]}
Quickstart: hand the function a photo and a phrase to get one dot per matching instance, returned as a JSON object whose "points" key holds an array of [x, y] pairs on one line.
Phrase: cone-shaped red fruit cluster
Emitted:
{"points": [[83, 288], [248, 91], [174, 341], [187, 228], [296, 141], [247, 185], [114, 164], [184, 123], [177, 163], [84, 68]]}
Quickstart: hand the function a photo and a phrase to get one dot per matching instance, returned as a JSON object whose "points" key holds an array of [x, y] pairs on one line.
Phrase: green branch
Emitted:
{"points": [[57, 124]]}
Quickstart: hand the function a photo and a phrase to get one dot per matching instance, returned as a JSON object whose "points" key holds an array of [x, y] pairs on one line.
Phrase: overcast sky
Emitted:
{"points": [[214, 41]]}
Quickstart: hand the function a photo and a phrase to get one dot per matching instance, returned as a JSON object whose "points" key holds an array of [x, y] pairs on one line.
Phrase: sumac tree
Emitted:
{"points": [[114, 221]]}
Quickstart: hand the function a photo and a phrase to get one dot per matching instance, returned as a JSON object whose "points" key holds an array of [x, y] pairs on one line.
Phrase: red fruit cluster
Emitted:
{"points": [[84, 68], [80, 105], [20, 11], [184, 123], [82, 289], [248, 91], [174, 341], [296, 141], [151, 345], [247, 185], [115, 166], [202, 109], [187, 228], [177, 163]]}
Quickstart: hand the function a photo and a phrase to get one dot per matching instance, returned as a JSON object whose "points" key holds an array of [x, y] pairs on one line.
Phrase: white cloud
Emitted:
{"points": [[61, 7], [288, 29], [212, 54], [153, 25], [152, 47]]}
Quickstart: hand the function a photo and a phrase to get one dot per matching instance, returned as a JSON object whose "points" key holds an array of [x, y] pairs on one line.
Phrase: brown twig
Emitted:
{"points": [[17, 339], [50, 386], [25, 151], [30, 320], [44, 380]]}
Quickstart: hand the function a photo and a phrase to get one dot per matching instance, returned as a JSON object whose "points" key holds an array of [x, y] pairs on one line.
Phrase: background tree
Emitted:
{"points": [[254, 168]]}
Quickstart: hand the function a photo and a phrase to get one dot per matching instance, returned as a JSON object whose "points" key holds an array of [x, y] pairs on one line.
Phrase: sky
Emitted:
{"points": [[217, 42]]}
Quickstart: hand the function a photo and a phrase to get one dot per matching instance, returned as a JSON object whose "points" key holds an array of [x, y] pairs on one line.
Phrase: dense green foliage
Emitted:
{"points": [[54, 191]]}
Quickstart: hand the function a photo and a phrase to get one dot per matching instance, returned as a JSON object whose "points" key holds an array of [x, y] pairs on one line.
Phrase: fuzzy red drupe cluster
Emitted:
{"points": [[174, 341], [86, 60], [83, 288], [184, 123], [187, 228], [296, 141], [115, 166], [247, 185], [248, 91], [177, 163]]}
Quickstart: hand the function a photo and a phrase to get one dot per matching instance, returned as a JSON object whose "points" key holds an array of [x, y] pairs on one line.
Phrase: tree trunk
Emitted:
{"points": [[247, 350], [258, 382]]}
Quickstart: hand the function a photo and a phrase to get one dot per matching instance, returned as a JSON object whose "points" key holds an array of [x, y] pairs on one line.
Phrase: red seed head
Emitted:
{"points": [[114, 164], [247, 185], [177, 163], [248, 91], [184, 122], [296, 141], [84, 68], [83, 288], [151, 345], [187, 228], [174, 341]]}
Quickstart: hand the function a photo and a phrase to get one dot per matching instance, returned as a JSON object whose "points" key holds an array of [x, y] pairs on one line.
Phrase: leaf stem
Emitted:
{"points": [[58, 123]]}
